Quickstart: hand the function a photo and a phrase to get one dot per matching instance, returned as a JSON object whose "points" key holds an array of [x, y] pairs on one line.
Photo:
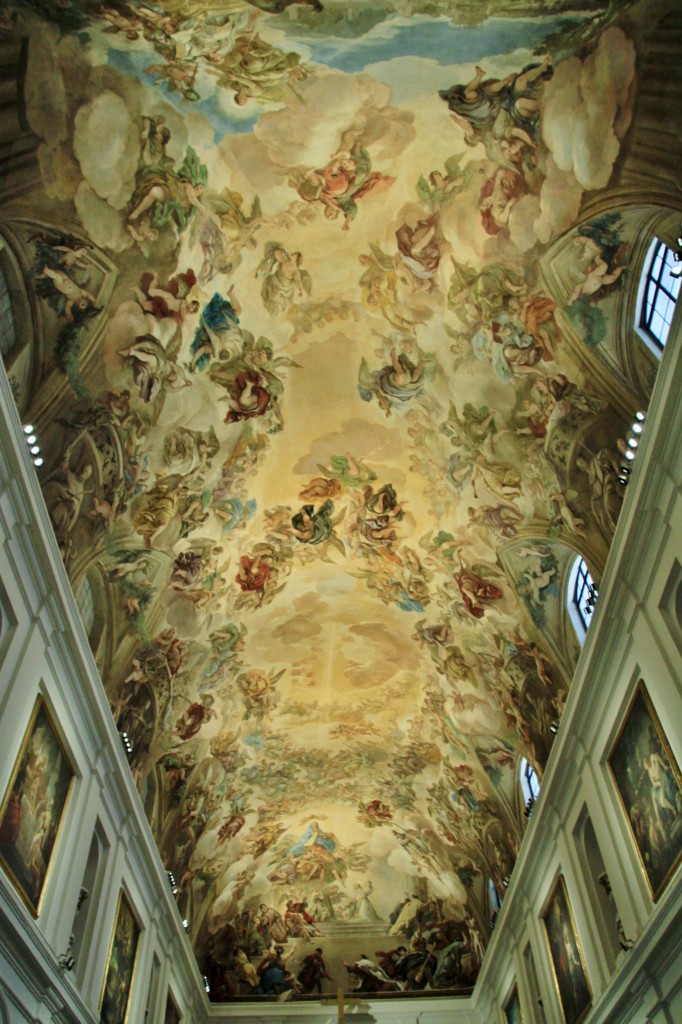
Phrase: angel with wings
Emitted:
{"points": [[164, 194], [440, 189], [341, 183], [316, 526], [400, 380]]}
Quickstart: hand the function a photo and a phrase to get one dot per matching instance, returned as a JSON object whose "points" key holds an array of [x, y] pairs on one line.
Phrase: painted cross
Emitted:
{"points": [[341, 1003]]}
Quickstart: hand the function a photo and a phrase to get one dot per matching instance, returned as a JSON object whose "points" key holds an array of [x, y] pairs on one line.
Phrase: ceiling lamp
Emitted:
{"points": [[32, 442]]}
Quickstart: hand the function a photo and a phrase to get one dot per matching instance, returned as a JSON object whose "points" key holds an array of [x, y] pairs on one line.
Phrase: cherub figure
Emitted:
{"points": [[169, 301], [253, 69], [440, 189], [154, 139], [316, 526], [79, 303], [598, 274], [564, 514], [179, 76], [224, 239], [397, 383]]}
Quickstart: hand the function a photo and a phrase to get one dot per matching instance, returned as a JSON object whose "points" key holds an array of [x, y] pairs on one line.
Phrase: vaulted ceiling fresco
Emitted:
{"points": [[324, 440]]}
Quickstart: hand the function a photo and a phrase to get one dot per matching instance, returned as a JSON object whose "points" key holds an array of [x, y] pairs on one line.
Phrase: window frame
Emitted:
{"points": [[580, 572], [646, 307], [528, 779]]}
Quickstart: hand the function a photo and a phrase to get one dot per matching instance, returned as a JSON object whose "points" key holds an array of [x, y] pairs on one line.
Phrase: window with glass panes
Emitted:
{"points": [[660, 294]]}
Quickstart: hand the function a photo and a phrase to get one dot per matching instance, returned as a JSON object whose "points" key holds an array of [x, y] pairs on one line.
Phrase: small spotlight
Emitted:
{"points": [[633, 442], [31, 439], [636, 428], [38, 462], [554, 727], [640, 416], [35, 450], [206, 984], [629, 455], [28, 429], [185, 924]]}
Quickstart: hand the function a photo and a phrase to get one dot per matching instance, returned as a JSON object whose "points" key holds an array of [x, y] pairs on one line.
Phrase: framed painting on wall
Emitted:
{"points": [[33, 807], [649, 785], [172, 1013], [512, 1008], [570, 976], [118, 980]]}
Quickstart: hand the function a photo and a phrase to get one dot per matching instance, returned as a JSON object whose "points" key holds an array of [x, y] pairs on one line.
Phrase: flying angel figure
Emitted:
{"points": [[440, 189], [284, 280]]}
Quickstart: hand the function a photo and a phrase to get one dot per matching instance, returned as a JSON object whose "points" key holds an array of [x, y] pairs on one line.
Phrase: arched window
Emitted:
{"points": [[658, 293], [494, 900], [530, 786], [581, 598]]}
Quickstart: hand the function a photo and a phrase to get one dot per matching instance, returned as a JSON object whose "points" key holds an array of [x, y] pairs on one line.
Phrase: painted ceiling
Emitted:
{"points": [[324, 438]]}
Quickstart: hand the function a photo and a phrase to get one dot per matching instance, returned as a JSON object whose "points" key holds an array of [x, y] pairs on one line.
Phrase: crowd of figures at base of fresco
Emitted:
{"points": [[253, 958]]}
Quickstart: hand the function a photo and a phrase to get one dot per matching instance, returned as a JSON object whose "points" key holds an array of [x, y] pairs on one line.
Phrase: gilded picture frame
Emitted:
{"points": [[512, 1008], [114, 1000], [33, 807], [565, 953], [649, 786]]}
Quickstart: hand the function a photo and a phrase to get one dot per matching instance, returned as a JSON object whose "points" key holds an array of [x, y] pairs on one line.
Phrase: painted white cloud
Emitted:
{"points": [[106, 143], [102, 223], [588, 108], [337, 109]]}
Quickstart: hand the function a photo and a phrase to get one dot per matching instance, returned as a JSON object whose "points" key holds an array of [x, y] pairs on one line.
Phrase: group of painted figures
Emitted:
{"points": [[439, 953], [171, 509]]}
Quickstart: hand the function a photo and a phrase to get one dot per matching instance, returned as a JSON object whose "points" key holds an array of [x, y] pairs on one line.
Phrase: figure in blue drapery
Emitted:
{"points": [[313, 836]]}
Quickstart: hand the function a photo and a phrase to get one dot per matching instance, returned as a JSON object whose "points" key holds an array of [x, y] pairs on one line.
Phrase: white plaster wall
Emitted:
{"points": [[632, 637], [43, 650]]}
